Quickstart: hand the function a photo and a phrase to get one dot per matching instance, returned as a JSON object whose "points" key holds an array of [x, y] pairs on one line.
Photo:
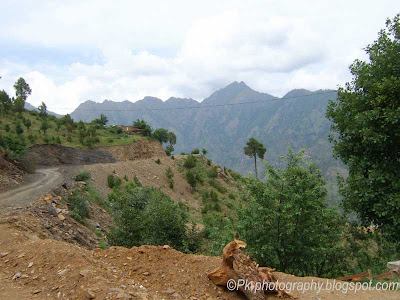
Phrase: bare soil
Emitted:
{"points": [[36, 268]]}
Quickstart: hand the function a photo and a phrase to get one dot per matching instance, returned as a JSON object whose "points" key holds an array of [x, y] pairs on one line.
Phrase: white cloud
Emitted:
{"points": [[185, 49]]}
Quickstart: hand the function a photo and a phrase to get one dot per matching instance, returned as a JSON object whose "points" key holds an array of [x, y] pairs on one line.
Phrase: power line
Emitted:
{"points": [[203, 106]]}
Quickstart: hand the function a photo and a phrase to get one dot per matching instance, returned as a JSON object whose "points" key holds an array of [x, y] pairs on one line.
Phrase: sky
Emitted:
{"points": [[76, 50]]}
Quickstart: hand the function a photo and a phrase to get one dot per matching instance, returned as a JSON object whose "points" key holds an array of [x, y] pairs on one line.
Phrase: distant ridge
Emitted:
{"points": [[296, 120]]}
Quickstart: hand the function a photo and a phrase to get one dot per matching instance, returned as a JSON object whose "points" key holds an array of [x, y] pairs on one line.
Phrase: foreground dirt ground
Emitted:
{"points": [[35, 268]]}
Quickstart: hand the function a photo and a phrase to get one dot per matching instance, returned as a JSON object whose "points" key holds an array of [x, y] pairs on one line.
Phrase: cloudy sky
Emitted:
{"points": [[75, 50]]}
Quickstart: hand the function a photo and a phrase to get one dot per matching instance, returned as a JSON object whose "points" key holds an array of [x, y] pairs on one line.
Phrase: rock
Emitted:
{"points": [[36, 292], [4, 254], [166, 247], [123, 296], [176, 296], [16, 276], [30, 265], [84, 273], [146, 273], [90, 294], [169, 291]]}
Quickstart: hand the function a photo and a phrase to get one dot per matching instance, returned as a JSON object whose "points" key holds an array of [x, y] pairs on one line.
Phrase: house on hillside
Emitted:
{"points": [[131, 129]]}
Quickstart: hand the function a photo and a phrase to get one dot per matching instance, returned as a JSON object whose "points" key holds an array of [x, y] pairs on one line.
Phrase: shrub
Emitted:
{"points": [[196, 151], [84, 176], [69, 139], [110, 140], [173, 157], [170, 176], [144, 215], [32, 138], [114, 181], [209, 162], [58, 140], [18, 129], [126, 178], [158, 161], [191, 179], [7, 128], [218, 186], [190, 162], [136, 181], [231, 196], [78, 205], [213, 173]]}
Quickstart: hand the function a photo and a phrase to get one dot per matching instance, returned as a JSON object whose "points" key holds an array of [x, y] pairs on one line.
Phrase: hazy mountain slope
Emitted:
{"points": [[296, 120], [29, 106]]}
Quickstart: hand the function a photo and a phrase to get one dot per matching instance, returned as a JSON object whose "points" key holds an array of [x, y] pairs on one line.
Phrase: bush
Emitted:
{"points": [[170, 176], [231, 196], [114, 181], [218, 186], [32, 138], [190, 162], [84, 176], [191, 179], [144, 215], [213, 173], [136, 181], [69, 139], [209, 162], [58, 140], [196, 151], [110, 140], [78, 205], [7, 128], [158, 161]]}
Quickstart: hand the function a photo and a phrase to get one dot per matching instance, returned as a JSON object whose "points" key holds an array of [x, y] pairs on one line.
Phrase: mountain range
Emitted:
{"points": [[223, 122]]}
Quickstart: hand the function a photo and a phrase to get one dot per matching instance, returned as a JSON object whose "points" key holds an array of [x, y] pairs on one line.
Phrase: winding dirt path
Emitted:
{"points": [[43, 181]]}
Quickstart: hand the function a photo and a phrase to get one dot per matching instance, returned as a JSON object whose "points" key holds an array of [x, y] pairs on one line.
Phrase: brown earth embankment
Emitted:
{"points": [[47, 155]]}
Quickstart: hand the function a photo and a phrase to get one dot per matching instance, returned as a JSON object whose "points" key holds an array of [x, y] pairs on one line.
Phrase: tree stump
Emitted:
{"points": [[238, 267]]}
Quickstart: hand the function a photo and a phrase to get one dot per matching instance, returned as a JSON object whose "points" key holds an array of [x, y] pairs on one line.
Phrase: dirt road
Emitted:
{"points": [[43, 181]]}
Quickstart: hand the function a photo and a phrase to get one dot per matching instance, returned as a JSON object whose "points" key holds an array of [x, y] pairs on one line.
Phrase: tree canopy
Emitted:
{"points": [[253, 149], [366, 132], [286, 221]]}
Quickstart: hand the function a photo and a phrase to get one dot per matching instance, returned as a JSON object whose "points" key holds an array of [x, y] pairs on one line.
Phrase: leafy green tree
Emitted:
{"points": [[253, 149], [169, 149], [68, 122], [44, 126], [43, 110], [172, 141], [22, 91], [287, 223], [161, 134], [171, 138], [103, 120], [366, 132], [5, 102], [144, 126], [18, 104]]}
